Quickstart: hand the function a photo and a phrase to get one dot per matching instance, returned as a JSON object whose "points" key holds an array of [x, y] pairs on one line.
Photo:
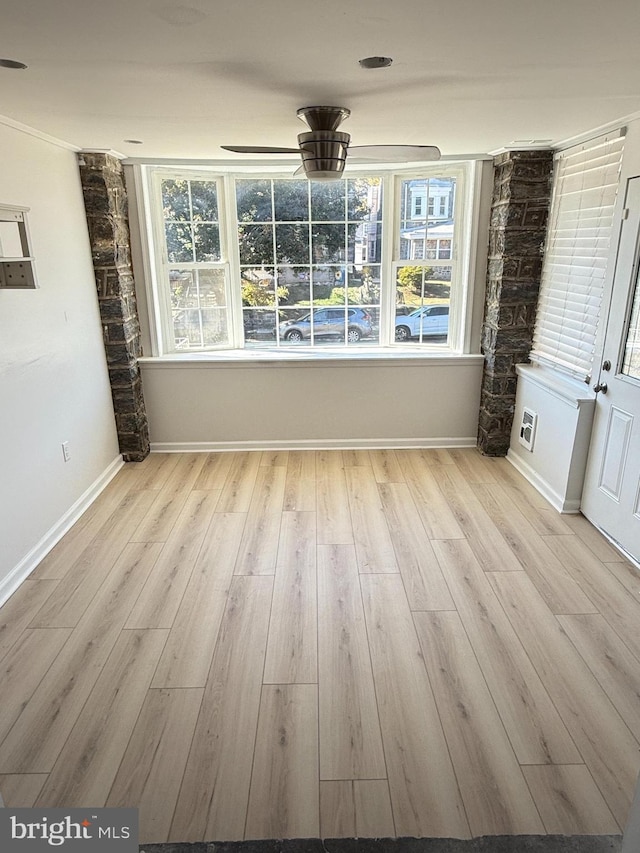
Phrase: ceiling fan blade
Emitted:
{"points": [[394, 153], [259, 149], [299, 171]]}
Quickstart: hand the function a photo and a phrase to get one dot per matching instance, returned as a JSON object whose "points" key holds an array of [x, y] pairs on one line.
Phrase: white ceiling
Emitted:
{"points": [[470, 76]]}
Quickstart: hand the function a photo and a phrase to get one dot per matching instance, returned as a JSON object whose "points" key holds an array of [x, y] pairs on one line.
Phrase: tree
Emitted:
{"points": [[190, 210], [255, 296], [410, 281], [299, 222], [416, 283], [288, 223]]}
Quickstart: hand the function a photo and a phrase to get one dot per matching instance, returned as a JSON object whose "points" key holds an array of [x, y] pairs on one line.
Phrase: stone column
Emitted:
{"points": [[105, 201], [519, 210]]}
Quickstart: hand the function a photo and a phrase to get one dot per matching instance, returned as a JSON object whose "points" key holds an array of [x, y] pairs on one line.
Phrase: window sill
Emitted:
{"points": [[377, 357], [557, 384]]}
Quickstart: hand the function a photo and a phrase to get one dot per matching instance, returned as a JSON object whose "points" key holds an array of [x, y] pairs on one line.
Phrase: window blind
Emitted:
{"points": [[577, 250]]}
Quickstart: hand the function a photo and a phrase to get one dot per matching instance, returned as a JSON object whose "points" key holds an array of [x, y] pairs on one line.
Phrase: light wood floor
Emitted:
{"points": [[304, 644]]}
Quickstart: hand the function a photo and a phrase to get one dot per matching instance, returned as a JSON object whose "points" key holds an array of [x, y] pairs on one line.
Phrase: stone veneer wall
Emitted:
{"points": [[106, 206], [519, 211]]}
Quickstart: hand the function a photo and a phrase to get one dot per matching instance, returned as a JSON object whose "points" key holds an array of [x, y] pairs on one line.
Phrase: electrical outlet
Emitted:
{"points": [[65, 451]]}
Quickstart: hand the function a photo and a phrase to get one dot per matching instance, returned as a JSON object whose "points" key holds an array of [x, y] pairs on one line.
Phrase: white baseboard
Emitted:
{"points": [[556, 500], [310, 444], [19, 573]]}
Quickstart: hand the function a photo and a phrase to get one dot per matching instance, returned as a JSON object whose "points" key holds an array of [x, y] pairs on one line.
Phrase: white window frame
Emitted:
{"points": [[235, 251], [461, 254], [462, 261], [160, 299]]}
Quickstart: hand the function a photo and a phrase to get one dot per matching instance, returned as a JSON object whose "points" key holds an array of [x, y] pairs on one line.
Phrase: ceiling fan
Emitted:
{"points": [[324, 148]]}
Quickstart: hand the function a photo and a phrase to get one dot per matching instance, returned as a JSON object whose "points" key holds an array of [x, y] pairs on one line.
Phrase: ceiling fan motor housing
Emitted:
{"points": [[324, 154], [324, 148], [323, 118]]}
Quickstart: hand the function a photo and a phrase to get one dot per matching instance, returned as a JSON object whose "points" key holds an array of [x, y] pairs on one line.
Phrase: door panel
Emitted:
{"points": [[611, 491], [616, 444]]}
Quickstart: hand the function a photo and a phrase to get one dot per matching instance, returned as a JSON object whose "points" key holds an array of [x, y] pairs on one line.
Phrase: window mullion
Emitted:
{"points": [[390, 217], [276, 272], [162, 269], [312, 278], [233, 259]]}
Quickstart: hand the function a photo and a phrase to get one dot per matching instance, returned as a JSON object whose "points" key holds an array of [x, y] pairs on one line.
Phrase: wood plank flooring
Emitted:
{"points": [[326, 644]]}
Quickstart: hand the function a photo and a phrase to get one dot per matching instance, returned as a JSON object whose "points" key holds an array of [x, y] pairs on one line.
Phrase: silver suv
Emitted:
{"points": [[328, 323], [428, 321]]}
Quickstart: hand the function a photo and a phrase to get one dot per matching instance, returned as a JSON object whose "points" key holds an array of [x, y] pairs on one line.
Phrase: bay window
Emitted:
{"points": [[270, 262]]}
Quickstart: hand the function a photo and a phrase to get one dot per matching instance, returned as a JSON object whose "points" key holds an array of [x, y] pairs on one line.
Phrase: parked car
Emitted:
{"points": [[428, 321], [328, 323]]}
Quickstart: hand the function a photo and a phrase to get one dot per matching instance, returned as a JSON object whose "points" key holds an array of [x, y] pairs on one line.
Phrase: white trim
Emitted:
{"points": [[390, 190], [631, 837], [570, 141], [586, 142], [602, 130], [469, 263], [19, 573], [110, 151], [311, 444], [31, 131], [562, 387], [541, 485], [148, 236], [245, 358], [544, 145], [261, 164], [633, 560]]}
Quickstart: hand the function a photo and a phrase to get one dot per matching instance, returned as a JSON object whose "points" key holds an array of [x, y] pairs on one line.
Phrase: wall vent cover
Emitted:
{"points": [[528, 428]]}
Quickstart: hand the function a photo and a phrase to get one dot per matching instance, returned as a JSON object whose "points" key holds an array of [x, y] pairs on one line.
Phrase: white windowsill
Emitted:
{"points": [[563, 387], [378, 356]]}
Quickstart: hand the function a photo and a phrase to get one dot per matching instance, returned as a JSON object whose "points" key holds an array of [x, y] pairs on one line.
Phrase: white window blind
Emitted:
{"points": [[577, 251]]}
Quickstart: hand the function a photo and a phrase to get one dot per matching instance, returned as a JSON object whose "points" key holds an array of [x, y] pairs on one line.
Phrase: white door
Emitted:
{"points": [[611, 497]]}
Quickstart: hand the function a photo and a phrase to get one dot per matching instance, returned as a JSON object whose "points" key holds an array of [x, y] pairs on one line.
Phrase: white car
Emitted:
{"points": [[428, 321]]}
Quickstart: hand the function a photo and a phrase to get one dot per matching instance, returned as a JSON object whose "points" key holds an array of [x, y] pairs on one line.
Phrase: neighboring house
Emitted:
{"points": [[432, 199], [425, 242], [427, 219]]}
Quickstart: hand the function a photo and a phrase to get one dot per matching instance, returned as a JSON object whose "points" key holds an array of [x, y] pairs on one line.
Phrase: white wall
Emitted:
{"points": [[53, 378], [557, 462], [385, 402]]}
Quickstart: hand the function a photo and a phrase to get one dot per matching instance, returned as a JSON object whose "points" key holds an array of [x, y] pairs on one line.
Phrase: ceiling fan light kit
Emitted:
{"points": [[324, 148], [324, 154]]}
